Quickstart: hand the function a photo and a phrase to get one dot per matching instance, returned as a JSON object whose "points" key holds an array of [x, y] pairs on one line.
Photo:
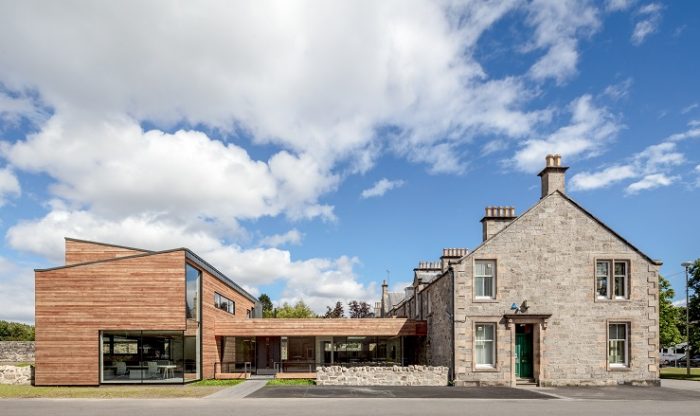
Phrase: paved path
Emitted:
{"points": [[396, 392], [238, 391], [681, 384]]}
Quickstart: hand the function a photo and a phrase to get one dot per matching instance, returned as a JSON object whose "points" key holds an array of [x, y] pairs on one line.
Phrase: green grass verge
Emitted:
{"points": [[680, 373], [291, 382], [196, 389], [225, 383]]}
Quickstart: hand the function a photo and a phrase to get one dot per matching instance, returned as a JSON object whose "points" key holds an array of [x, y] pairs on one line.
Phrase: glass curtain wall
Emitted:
{"points": [[192, 343], [142, 357], [367, 350]]}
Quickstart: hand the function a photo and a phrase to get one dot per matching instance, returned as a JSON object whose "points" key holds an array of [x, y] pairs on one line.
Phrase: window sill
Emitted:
{"points": [[619, 368], [608, 300], [485, 369], [485, 300]]}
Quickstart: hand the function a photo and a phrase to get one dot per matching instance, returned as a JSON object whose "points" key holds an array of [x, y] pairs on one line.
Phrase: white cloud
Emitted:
{"points": [[16, 292], [697, 168], [650, 182], [618, 5], [319, 280], [15, 108], [689, 108], [586, 181], [589, 130], [116, 169], [9, 185], [650, 168], [620, 90], [650, 16], [558, 24], [381, 187], [276, 240]]}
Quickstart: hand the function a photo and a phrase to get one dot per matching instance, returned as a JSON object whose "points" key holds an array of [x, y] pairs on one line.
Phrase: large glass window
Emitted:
{"points": [[193, 297], [484, 279], [618, 344], [142, 357], [485, 345], [367, 350]]}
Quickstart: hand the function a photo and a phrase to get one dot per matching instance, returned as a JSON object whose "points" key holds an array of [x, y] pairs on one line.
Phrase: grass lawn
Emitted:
{"points": [[197, 389], [680, 373], [291, 382]]}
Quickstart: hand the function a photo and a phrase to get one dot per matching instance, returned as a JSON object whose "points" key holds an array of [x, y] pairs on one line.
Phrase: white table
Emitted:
{"points": [[168, 370]]}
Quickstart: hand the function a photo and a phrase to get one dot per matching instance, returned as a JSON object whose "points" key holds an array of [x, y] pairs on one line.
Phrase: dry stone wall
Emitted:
{"points": [[412, 375], [10, 374], [16, 351]]}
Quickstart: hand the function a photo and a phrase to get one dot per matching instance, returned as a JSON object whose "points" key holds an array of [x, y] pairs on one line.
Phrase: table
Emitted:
{"points": [[168, 370]]}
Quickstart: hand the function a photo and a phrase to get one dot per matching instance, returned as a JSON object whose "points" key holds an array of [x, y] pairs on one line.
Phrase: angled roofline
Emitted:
{"points": [[189, 255], [107, 244], [582, 209]]}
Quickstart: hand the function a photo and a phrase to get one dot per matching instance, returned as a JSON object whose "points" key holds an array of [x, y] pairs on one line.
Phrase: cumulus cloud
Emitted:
{"points": [[323, 279], [16, 292], [650, 19], [651, 168], [14, 108], [276, 240], [9, 185], [589, 130], [381, 187], [558, 25]]}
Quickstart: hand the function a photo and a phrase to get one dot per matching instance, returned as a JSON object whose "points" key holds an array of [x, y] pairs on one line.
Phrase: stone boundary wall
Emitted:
{"points": [[10, 374], [412, 375], [16, 351]]}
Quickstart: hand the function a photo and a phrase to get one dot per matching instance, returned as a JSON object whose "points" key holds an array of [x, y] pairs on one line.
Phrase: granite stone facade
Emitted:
{"points": [[10, 374], [412, 375], [545, 285]]}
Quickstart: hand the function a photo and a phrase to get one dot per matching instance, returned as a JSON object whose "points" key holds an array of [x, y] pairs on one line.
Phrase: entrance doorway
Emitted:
{"points": [[268, 354], [523, 351]]}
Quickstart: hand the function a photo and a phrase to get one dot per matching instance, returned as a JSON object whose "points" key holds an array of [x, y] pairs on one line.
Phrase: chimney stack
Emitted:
{"points": [[451, 254], [496, 219], [384, 304], [553, 175]]}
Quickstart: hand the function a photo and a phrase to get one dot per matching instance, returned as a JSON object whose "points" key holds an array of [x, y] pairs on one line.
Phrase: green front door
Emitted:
{"points": [[523, 352]]}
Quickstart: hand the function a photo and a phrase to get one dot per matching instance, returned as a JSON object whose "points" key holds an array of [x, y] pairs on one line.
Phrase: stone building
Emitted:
{"points": [[552, 296]]}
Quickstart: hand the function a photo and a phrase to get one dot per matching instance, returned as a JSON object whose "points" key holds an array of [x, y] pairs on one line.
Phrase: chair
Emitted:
{"points": [[121, 368], [153, 369]]}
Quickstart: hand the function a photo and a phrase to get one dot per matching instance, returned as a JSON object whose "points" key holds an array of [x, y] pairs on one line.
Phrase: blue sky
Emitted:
{"points": [[305, 149]]}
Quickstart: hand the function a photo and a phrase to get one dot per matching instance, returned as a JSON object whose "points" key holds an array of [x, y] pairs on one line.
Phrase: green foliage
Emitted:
{"points": [[336, 312], [15, 331], [212, 382], [299, 310], [670, 318], [291, 382], [267, 309], [360, 309]]}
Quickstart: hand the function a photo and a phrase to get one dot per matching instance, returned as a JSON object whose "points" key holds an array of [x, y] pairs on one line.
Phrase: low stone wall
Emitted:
{"points": [[412, 375], [10, 374], [17, 351]]}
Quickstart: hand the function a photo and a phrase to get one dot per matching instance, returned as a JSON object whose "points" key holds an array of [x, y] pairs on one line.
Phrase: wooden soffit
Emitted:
{"points": [[321, 327]]}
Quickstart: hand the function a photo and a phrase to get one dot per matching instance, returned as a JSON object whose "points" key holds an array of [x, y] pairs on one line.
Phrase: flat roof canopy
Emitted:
{"points": [[320, 327]]}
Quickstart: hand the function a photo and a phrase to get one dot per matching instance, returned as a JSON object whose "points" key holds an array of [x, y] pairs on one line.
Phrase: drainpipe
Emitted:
{"points": [[451, 376]]}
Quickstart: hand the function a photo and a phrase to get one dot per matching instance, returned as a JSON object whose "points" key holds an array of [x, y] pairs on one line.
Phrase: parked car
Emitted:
{"points": [[680, 362]]}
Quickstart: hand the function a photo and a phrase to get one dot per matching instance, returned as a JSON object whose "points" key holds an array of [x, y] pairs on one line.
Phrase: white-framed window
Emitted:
{"points": [[485, 345], [612, 279], [618, 344], [485, 279]]}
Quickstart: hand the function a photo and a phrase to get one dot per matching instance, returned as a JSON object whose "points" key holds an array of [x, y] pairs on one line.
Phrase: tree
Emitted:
{"points": [[15, 331], [299, 310], [360, 309], [669, 315], [336, 312], [267, 308], [694, 305]]}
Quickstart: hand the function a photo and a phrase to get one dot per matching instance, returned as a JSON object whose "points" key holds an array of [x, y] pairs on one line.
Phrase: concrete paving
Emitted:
{"points": [[681, 384], [397, 392], [238, 391]]}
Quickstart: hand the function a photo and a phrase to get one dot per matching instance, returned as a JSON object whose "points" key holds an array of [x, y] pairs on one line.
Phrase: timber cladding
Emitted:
{"points": [[73, 304], [211, 317], [79, 251], [321, 327]]}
